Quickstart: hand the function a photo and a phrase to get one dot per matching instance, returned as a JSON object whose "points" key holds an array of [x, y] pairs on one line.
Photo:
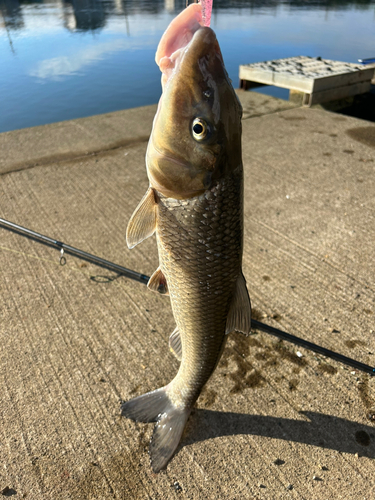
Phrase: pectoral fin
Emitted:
{"points": [[142, 223], [175, 343], [158, 282], [239, 317]]}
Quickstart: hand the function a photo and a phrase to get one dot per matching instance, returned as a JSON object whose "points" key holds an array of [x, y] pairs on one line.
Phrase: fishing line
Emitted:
{"points": [[142, 278]]}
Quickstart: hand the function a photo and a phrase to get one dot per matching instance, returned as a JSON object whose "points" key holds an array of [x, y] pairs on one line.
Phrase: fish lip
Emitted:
{"points": [[180, 31], [179, 38], [170, 66]]}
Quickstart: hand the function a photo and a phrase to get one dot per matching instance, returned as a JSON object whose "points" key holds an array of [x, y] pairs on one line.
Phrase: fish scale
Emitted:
{"points": [[200, 284]]}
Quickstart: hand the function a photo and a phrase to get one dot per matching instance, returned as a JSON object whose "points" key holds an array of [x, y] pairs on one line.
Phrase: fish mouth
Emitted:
{"points": [[180, 37]]}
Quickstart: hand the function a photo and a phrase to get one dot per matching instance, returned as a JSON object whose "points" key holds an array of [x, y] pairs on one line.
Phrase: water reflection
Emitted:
{"points": [[169, 5], [11, 14], [87, 15], [92, 15], [57, 67], [146, 6]]}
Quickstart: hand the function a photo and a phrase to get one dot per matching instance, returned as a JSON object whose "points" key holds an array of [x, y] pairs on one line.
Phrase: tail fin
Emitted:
{"points": [[171, 421], [148, 407]]}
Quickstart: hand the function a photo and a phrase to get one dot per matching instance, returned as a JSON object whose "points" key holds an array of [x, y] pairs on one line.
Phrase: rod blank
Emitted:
{"points": [[313, 347]]}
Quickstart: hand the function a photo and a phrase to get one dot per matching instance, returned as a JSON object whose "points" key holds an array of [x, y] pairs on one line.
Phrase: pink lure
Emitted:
{"points": [[206, 11]]}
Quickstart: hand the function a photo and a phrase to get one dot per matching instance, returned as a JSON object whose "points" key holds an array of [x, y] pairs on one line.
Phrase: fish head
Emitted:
{"points": [[196, 136]]}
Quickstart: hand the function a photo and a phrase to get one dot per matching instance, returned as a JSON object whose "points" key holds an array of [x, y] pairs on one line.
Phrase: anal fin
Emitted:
{"points": [[142, 223], [158, 282], [239, 316]]}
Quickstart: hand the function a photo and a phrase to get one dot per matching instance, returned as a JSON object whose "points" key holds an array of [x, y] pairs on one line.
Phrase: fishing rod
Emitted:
{"points": [[142, 278], [64, 248]]}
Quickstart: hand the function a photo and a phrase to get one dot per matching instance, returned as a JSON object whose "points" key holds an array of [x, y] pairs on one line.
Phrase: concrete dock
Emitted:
{"points": [[275, 421]]}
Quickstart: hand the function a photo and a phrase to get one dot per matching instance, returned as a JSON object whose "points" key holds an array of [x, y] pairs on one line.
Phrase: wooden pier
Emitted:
{"points": [[318, 80]]}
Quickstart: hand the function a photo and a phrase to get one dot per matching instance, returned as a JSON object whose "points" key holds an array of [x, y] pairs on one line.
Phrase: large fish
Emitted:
{"points": [[195, 206]]}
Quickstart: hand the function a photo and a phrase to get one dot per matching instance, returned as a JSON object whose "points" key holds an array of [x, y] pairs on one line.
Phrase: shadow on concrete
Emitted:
{"points": [[360, 106], [324, 431]]}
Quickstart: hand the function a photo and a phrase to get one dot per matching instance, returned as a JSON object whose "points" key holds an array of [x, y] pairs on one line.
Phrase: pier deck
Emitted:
{"points": [[319, 80]]}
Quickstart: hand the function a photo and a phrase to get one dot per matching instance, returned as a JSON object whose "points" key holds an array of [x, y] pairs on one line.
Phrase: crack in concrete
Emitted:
{"points": [[77, 155]]}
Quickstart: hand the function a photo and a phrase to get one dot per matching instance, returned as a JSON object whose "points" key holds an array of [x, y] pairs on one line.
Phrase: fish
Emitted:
{"points": [[194, 205]]}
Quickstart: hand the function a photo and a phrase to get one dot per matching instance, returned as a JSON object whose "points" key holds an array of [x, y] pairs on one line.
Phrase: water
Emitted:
{"points": [[64, 59]]}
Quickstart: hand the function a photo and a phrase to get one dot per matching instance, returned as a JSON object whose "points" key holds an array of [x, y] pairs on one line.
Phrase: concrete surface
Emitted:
{"points": [[75, 340], [47, 144]]}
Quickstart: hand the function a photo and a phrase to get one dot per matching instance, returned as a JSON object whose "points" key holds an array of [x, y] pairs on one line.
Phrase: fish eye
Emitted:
{"points": [[200, 129]]}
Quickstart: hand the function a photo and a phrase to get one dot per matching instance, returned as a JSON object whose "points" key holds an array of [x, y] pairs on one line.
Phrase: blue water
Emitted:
{"points": [[67, 59]]}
